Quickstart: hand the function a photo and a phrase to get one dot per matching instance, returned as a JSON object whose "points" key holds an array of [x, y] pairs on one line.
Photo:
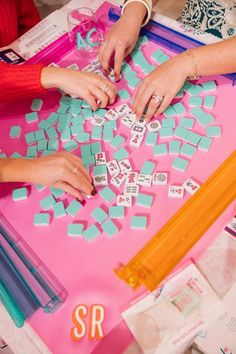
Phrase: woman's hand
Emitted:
{"points": [[94, 89], [164, 82], [62, 170], [121, 39]]}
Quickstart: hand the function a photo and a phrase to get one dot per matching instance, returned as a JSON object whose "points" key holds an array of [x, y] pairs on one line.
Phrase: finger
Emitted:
{"points": [[69, 189], [101, 82], [165, 103], [77, 180], [143, 101], [118, 60], [152, 107], [100, 95], [137, 97], [106, 56], [79, 164], [91, 101]]}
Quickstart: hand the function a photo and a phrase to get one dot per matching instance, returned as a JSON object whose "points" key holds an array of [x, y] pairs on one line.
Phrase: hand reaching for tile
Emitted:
{"points": [[62, 170]]}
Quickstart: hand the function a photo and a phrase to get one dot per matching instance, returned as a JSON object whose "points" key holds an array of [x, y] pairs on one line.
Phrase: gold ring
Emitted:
{"points": [[105, 88], [74, 170], [157, 99]]}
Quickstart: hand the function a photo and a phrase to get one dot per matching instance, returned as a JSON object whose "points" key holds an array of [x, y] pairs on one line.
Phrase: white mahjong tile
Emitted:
{"points": [[154, 126], [98, 121], [100, 180], [191, 186], [138, 129], [118, 179], [131, 189], [131, 178], [141, 122], [176, 192], [113, 167], [111, 114], [144, 180], [124, 200], [159, 178], [128, 120], [125, 165], [136, 140], [123, 109], [100, 158]]}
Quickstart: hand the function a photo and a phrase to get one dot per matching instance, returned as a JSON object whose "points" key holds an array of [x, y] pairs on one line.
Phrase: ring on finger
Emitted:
{"points": [[74, 170], [157, 99], [105, 88]]}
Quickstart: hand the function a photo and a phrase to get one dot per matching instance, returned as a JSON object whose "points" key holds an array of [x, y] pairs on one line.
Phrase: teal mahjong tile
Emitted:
{"points": [[110, 124], [85, 149], [156, 54], [52, 133], [148, 168], [47, 152], [151, 138], [70, 145], [63, 109], [133, 83], [77, 129], [160, 149], [202, 117], [39, 187], [168, 123], [36, 104], [31, 117], [179, 94], [144, 200], [75, 230], [139, 222], [120, 154], [58, 193], [180, 164], [41, 219], [188, 150], [65, 100], [174, 147], [107, 194], [15, 155], [169, 112], [209, 102], [99, 215], [213, 131], [42, 145], [180, 132], [195, 101], [91, 233], [209, 85], [195, 90], [73, 208], [77, 102], [87, 113], [53, 145], [43, 124], [99, 170], [186, 122], [137, 55], [192, 138], [84, 104], [47, 202], [75, 110], [30, 138], [78, 120], [107, 135], [96, 133], [15, 131], [117, 141], [32, 151], [123, 94], [116, 212], [20, 194], [59, 209], [165, 132], [39, 134], [88, 160], [130, 75], [110, 228], [179, 108], [83, 137], [65, 135], [52, 118], [187, 86], [205, 143], [100, 112], [163, 58], [95, 148]]}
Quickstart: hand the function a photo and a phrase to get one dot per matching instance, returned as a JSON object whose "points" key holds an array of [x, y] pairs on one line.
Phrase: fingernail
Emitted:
{"points": [[83, 202], [94, 192]]}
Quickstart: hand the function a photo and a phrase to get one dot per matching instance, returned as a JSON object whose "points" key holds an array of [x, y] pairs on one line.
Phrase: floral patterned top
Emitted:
{"points": [[216, 17]]}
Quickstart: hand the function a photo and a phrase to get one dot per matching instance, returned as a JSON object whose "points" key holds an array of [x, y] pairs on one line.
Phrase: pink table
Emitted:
{"points": [[86, 269]]}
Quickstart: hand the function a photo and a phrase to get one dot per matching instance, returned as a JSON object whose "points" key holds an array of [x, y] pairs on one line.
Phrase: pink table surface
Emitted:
{"points": [[86, 269]]}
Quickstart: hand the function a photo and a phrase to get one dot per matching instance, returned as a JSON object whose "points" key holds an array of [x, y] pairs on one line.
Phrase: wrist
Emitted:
{"points": [[135, 11], [50, 77], [184, 63], [14, 170]]}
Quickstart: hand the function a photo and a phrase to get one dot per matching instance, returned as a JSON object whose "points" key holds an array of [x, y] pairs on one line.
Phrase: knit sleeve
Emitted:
{"points": [[28, 15], [20, 81]]}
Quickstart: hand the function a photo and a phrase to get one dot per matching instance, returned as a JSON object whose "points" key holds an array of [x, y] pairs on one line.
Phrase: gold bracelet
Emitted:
{"points": [[195, 75]]}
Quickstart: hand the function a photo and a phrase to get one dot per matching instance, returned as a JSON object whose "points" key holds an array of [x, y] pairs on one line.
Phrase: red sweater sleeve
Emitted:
{"points": [[20, 81], [28, 15]]}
